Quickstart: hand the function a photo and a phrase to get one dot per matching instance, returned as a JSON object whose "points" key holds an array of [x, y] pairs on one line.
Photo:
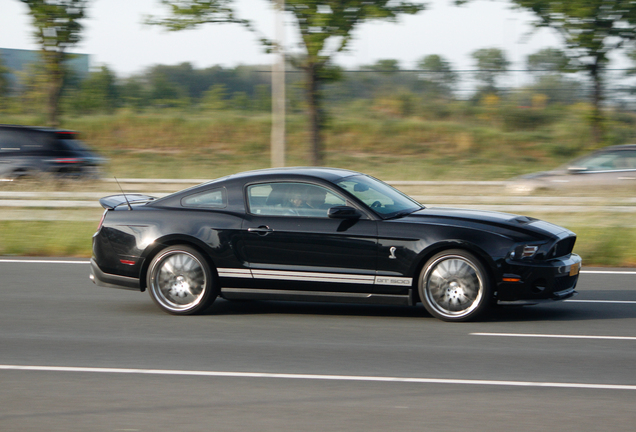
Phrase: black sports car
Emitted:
{"points": [[324, 234]]}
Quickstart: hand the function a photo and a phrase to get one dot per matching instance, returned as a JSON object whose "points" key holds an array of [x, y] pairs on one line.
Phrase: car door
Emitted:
{"points": [[291, 243]]}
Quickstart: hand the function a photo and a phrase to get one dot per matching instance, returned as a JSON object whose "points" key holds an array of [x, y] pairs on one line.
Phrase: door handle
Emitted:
{"points": [[261, 230]]}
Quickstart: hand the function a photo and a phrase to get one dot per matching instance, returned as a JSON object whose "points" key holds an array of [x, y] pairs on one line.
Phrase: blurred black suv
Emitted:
{"points": [[27, 151]]}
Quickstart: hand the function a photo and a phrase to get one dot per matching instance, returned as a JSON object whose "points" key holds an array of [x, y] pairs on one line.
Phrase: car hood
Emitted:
{"points": [[503, 220]]}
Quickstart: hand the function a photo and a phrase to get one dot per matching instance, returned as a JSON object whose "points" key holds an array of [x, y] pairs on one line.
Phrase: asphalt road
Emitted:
{"points": [[75, 357]]}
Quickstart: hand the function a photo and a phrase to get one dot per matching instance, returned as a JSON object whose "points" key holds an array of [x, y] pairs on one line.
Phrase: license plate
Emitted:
{"points": [[574, 270]]}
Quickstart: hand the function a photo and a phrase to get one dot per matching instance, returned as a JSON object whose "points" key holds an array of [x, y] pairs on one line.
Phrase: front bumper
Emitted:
{"points": [[108, 280], [538, 282]]}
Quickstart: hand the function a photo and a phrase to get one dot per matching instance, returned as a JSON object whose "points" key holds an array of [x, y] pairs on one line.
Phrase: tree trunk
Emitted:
{"points": [[597, 100], [314, 112], [54, 65]]}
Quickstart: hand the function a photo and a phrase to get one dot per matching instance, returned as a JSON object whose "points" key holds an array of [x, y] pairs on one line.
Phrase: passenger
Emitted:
{"points": [[316, 198]]}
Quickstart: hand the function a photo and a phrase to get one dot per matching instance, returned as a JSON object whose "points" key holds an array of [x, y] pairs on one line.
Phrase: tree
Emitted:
{"points": [[97, 93], [332, 21], [438, 75], [4, 84], [387, 66], [491, 64], [4, 79], [548, 61], [321, 23], [549, 65], [57, 28], [591, 30]]}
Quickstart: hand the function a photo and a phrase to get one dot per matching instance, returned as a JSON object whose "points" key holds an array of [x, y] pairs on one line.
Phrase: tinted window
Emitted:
{"points": [[12, 141], [291, 199], [216, 198]]}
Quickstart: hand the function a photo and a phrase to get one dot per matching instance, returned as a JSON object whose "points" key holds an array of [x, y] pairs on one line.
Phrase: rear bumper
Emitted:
{"points": [[539, 282], [107, 280]]}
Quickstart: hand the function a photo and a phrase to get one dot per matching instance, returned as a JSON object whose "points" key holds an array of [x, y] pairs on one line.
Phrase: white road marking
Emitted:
{"points": [[42, 261], [321, 377], [555, 336], [602, 301], [609, 272]]}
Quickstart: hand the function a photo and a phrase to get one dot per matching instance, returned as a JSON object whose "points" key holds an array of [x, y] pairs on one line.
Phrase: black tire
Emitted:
{"points": [[180, 281], [455, 286]]}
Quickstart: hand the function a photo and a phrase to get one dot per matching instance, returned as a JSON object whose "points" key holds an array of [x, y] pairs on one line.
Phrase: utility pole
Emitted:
{"points": [[278, 90]]}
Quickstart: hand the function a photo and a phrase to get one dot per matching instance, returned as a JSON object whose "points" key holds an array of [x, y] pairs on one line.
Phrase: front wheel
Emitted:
{"points": [[180, 281], [454, 286]]}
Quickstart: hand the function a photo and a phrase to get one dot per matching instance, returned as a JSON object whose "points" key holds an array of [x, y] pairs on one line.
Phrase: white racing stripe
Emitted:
{"points": [[555, 336], [321, 377], [44, 261]]}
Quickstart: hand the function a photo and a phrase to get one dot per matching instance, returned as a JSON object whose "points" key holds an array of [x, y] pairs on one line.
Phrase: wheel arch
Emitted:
{"points": [[172, 240], [424, 256]]}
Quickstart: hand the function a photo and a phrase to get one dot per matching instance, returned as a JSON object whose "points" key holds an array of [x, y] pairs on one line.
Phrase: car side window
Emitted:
{"points": [[609, 161], [291, 199], [216, 198]]}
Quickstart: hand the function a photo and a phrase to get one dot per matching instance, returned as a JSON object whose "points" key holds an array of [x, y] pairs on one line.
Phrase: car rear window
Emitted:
{"points": [[216, 198]]}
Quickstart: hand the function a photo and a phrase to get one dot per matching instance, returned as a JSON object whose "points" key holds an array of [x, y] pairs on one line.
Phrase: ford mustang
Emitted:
{"points": [[331, 235]]}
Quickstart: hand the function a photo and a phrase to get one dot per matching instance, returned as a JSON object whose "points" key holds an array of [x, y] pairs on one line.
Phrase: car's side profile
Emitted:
{"points": [[322, 234], [613, 166], [27, 151]]}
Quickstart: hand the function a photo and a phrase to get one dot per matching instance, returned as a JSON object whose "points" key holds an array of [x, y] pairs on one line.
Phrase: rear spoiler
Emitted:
{"points": [[112, 201]]}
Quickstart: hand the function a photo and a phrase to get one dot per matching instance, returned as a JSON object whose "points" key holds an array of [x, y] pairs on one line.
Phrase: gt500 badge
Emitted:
{"points": [[380, 280]]}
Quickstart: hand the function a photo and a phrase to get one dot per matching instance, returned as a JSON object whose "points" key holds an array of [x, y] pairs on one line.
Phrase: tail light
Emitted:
{"points": [[101, 221]]}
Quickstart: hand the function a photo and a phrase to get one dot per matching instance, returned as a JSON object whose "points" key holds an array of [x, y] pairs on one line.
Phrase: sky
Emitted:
{"points": [[115, 36]]}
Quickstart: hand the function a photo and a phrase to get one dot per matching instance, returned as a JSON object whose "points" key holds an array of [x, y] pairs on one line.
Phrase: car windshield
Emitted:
{"points": [[379, 196]]}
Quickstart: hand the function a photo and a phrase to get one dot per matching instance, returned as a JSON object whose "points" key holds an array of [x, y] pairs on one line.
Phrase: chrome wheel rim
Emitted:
{"points": [[453, 286], [178, 281]]}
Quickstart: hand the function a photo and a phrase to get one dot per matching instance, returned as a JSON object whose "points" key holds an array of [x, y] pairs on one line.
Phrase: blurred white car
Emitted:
{"points": [[611, 166]]}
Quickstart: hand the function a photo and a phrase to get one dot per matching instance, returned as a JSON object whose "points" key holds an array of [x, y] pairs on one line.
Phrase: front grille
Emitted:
{"points": [[562, 247]]}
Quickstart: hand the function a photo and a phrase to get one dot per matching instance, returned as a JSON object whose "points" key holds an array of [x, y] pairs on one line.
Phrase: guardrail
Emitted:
{"points": [[84, 205]]}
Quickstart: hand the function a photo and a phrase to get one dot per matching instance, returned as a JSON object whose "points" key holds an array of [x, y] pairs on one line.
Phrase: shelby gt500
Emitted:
{"points": [[324, 234]]}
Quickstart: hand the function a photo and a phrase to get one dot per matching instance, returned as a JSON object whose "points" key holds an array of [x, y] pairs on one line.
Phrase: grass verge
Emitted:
{"points": [[46, 238]]}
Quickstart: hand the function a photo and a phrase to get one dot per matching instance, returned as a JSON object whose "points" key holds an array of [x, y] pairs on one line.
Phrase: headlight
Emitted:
{"points": [[525, 251]]}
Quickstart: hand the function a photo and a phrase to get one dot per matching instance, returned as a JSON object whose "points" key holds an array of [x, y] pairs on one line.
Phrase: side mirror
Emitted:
{"points": [[343, 212]]}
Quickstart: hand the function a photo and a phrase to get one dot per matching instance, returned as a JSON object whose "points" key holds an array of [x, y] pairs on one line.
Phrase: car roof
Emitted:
{"points": [[619, 147], [325, 173], [36, 128]]}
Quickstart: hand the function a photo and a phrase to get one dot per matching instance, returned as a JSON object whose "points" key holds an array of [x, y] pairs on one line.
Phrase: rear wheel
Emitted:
{"points": [[454, 286], [181, 282]]}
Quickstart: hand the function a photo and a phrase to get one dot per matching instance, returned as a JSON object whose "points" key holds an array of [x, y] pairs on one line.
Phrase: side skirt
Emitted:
{"points": [[316, 296]]}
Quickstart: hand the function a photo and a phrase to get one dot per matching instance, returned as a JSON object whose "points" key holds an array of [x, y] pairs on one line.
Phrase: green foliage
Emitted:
{"points": [[98, 93], [438, 77], [491, 63], [134, 94], [591, 30], [46, 238], [33, 82], [4, 79], [387, 66], [57, 27], [318, 22], [548, 60], [215, 97], [185, 14]]}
